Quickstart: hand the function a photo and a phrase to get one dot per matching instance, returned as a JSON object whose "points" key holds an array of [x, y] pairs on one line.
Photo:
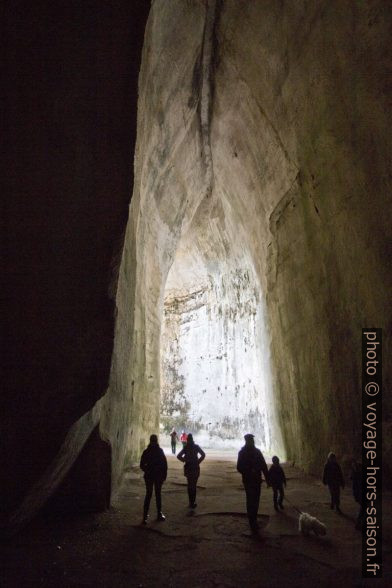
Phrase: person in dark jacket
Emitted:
{"points": [[277, 480], [192, 456], [251, 464], [333, 478], [356, 478], [173, 440], [154, 465]]}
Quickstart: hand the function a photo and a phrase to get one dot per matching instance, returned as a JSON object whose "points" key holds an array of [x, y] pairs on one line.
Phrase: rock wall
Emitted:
{"points": [[71, 75], [319, 82], [262, 126], [215, 373], [165, 173]]}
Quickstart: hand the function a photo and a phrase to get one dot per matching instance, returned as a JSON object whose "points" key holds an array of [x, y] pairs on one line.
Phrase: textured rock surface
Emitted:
{"points": [[215, 372], [261, 128]]}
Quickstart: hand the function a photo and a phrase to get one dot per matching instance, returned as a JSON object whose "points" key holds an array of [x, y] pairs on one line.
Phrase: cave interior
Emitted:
{"points": [[198, 232]]}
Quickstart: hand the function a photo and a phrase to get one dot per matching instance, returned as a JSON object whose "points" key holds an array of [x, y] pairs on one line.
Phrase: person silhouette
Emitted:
{"points": [[277, 480], [183, 438], [333, 477], [250, 465], [153, 462], [189, 455], [173, 440]]}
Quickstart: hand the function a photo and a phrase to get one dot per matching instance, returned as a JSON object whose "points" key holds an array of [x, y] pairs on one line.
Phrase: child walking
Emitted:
{"points": [[277, 480]]}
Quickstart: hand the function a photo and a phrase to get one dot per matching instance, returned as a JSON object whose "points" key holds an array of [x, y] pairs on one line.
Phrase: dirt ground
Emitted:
{"points": [[209, 547]]}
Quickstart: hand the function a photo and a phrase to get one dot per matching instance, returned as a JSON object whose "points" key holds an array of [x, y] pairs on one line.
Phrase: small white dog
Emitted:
{"points": [[307, 523]]}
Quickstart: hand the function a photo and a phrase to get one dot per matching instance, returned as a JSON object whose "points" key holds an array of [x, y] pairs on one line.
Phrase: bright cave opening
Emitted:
{"points": [[215, 379]]}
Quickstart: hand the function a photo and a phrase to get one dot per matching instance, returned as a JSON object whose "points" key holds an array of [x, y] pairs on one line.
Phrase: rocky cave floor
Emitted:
{"points": [[210, 547]]}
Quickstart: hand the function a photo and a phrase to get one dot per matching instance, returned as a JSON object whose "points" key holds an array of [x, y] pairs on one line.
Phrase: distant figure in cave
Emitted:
{"points": [[183, 438], [333, 478], [277, 480], [356, 478], [251, 464], [154, 465], [189, 455], [173, 440]]}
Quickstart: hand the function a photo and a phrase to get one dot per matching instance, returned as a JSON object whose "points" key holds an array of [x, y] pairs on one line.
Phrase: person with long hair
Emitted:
{"points": [[154, 465], [191, 455]]}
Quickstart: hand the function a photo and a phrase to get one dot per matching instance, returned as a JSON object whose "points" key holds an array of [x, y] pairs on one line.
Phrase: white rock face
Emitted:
{"points": [[215, 372]]}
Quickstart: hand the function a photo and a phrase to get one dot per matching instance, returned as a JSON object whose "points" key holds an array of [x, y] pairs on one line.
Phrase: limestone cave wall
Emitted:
{"points": [[215, 368], [269, 117]]}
